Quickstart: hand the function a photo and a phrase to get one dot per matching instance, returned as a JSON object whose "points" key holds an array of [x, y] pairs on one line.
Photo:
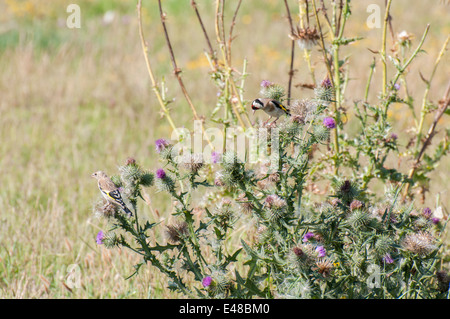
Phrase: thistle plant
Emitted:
{"points": [[341, 240]]}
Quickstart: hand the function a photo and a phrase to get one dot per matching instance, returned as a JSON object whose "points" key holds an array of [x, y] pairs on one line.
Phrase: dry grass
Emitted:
{"points": [[84, 103]]}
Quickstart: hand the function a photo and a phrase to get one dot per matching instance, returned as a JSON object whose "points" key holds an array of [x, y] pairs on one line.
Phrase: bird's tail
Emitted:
{"points": [[117, 198], [126, 210]]}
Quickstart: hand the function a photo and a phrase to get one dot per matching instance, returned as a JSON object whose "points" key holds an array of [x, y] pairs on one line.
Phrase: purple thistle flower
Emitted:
{"points": [[435, 220], [397, 86], [427, 212], [321, 250], [329, 122], [215, 157], [387, 259], [265, 83], [206, 281], [160, 173], [100, 237], [326, 83], [161, 144], [394, 136], [307, 236]]}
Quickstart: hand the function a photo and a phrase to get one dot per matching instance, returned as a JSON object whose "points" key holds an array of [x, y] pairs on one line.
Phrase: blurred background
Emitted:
{"points": [[74, 101]]}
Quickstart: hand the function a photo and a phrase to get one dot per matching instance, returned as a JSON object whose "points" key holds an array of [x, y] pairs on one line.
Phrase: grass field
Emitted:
{"points": [[74, 101]]}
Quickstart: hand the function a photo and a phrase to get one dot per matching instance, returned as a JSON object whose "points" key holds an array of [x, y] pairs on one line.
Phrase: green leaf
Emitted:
{"points": [[232, 258], [249, 285]]}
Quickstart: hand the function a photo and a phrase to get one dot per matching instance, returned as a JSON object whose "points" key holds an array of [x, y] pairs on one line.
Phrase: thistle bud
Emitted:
{"points": [[164, 182], [273, 91], [321, 133]]}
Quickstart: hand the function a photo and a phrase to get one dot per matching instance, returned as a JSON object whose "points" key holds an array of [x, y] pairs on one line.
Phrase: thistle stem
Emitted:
{"points": [[383, 47]]}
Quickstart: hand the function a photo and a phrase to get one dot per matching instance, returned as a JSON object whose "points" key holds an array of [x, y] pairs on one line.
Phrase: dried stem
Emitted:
{"points": [[177, 72], [425, 96], [443, 106], [322, 42], [230, 36], [211, 50], [291, 66], [150, 70], [325, 14]]}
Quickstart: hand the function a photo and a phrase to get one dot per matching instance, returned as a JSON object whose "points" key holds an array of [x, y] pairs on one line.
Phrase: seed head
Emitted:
{"points": [[245, 204], [177, 232], [192, 162], [298, 111], [421, 243], [404, 38], [106, 209], [306, 37], [324, 267], [274, 201]]}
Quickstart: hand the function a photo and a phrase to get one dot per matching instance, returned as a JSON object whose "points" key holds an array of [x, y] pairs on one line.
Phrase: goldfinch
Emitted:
{"points": [[272, 107], [110, 191]]}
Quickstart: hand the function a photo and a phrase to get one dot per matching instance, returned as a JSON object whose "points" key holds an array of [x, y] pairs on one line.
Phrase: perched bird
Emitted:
{"points": [[271, 107], [110, 191]]}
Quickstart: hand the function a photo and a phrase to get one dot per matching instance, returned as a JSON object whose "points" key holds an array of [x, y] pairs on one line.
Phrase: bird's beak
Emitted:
{"points": [[254, 112], [92, 175]]}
